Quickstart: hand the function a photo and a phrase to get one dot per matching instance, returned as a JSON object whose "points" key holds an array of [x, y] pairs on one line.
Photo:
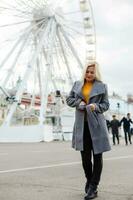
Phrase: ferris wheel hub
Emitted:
{"points": [[43, 13]]}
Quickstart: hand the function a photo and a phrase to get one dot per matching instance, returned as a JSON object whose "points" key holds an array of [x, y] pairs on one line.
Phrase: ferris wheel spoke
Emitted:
{"points": [[14, 24], [59, 60], [64, 55], [23, 22], [72, 48], [24, 7], [12, 39], [68, 21], [12, 8], [75, 40], [27, 31], [18, 15], [72, 29], [68, 50], [29, 5], [60, 3], [74, 23], [36, 4], [23, 3], [15, 61], [72, 12], [58, 55], [14, 11], [10, 53]]}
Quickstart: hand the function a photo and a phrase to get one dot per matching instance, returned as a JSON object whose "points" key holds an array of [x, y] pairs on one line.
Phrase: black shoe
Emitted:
{"points": [[87, 186], [91, 194]]}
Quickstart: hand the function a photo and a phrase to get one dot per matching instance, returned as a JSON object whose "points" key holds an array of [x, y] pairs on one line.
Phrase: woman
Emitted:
{"points": [[90, 134]]}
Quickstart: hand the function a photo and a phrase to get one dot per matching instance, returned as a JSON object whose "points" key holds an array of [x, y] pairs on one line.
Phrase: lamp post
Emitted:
{"points": [[118, 107], [58, 111]]}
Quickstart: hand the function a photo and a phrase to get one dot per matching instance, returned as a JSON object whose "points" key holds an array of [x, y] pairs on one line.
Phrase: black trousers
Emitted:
{"points": [[127, 132], [115, 134], [92, 167]]}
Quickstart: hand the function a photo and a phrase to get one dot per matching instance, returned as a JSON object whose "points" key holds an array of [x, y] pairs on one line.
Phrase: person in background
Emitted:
{"points": [[114, 125], [90, 134], [108, 124], [126, 127]]}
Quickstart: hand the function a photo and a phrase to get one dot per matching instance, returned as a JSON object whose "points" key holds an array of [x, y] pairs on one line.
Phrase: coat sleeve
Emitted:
{"points": [[131, 121], [122, 120], [104, 104], [72, 100]]}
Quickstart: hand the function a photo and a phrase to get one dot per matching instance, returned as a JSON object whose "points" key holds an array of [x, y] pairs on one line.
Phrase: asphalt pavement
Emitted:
{"points": [[47, 171]]}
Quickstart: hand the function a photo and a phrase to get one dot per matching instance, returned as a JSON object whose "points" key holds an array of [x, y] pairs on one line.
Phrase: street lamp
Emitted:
{"points": [[118, 107]]}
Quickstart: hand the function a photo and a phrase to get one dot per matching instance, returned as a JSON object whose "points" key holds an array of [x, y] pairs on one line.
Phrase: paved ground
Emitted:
{"points": [[47, 171]]}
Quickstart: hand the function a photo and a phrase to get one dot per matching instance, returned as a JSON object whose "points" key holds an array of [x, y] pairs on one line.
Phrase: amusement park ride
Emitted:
{"points": [[46, 43]]}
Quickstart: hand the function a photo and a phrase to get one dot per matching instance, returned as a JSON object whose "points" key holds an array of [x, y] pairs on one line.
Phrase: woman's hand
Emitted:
{"points": [[82, 103], [82, 106], [92, 106]]}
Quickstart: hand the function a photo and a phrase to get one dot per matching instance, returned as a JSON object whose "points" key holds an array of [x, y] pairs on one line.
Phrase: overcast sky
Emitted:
{"points": [[114, 31]]}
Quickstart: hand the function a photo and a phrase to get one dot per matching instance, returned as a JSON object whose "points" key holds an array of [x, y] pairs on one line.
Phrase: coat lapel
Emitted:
{"points": [[96, 89]]}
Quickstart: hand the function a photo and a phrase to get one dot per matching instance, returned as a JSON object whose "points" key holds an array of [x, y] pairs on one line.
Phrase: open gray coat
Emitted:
{"points": [[96, 120]]}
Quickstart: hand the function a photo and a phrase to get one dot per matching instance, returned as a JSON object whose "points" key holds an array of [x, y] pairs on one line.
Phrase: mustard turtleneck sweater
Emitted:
{"points": [[86, 90]]}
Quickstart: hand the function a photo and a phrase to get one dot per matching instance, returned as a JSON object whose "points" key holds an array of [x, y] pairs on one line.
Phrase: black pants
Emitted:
{"points": [[92, 170], [127, 132], [115, 134]]}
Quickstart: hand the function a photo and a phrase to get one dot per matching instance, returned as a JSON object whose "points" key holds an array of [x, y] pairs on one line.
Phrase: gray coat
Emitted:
{"points": [[96, 120]]}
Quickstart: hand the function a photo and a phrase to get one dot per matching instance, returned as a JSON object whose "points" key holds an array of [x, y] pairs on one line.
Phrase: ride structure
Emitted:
{"points": [[44, 46]]}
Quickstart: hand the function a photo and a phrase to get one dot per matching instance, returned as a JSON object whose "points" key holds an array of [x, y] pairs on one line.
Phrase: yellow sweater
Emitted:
{"points": [[86, 90]]}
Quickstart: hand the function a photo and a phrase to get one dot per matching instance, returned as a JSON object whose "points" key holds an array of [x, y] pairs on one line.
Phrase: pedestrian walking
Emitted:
{"points": [[114, 125], [108, 124], [90, 134], [126, 127]]}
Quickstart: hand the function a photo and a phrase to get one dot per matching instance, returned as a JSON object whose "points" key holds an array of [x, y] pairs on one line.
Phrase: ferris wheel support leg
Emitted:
{"points": [[33, 93], [18, 96], [52, 80], [47, 78], [45, 90]]}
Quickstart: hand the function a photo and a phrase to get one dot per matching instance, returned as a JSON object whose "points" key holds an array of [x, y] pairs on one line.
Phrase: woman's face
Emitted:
{"points": [[90, 74]]}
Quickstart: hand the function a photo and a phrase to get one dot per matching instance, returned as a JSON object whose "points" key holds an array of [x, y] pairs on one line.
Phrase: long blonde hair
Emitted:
{"points": [[96, 65]]}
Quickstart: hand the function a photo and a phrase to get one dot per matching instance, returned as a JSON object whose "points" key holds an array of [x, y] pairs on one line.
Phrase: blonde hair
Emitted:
{"points": [[96, 65]]}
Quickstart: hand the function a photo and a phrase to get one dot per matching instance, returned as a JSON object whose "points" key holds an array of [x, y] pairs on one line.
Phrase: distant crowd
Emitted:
{"points": [[114, 126]]}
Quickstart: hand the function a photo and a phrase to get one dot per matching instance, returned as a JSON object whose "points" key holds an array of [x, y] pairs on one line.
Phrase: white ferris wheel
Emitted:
{"points": [[45, 43]]}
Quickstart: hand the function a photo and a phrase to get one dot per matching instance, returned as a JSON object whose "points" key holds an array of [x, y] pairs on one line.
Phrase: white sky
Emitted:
{"points": [[114, 31]]}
